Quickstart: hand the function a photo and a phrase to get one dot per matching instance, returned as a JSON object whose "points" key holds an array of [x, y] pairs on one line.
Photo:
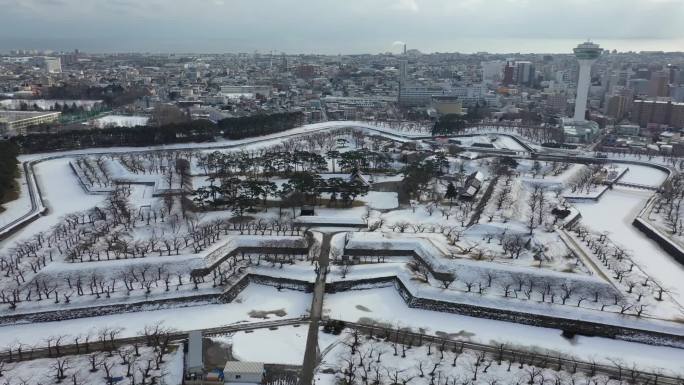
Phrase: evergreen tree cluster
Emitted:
{"points": [[8, 169], [449, 124], [258, 125], [113, 95], [195, 131], [244, 194]]}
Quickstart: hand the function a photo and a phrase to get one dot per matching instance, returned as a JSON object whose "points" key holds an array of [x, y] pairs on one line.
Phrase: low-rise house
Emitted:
{"points": [[243, 372], [472, 185]]}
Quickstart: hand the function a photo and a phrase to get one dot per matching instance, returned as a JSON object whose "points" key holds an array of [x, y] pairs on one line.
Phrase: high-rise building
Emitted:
{"points": [[642, 73], [524, 73], [508, 73], [661, 112], [53, 65], [556, 103], [403, 72], [677, 93], [586, 53], [677, 115], [616, 107], [658, 84], [640, 86], [675, 74]]}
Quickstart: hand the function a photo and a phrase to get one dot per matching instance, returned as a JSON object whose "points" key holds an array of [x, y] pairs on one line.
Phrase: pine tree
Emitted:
{"points": [[450, 193]]}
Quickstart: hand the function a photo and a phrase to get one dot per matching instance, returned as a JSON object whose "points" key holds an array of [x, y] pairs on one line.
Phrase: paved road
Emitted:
{"points": [[311, 353]]}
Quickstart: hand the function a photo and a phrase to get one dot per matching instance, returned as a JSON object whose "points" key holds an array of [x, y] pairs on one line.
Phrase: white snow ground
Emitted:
{"points": [[286, 345], [614, 213], [62, 194], [643, 175], [254, 297], [385, 305], [41, 371]]}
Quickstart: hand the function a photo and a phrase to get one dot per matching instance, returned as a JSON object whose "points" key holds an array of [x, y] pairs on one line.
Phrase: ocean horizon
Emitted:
{"points": [[228, 45]]}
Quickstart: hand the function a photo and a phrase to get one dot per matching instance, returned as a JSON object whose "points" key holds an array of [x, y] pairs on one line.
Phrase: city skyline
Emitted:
{"points": [[354, 27]]}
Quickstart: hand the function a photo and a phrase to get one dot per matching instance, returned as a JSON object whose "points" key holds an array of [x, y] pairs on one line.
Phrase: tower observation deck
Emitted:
{"points": [[586, 53]]}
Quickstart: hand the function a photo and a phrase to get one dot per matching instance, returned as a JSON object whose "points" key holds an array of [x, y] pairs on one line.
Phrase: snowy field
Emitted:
{"points": [[514, 214], [78, 369], [614, 213], [379, 200], [386, 306], [253, 298], [643, 175], [62, 194], [120, 121], [498, 141], [285, 344], [396, 362]]}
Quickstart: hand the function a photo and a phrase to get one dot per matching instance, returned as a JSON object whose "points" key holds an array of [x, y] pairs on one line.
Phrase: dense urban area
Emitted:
{"points": [[388, 219]]}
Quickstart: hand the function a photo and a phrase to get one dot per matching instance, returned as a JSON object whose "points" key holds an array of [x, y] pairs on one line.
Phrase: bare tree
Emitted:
{"points": [[60, 366]]}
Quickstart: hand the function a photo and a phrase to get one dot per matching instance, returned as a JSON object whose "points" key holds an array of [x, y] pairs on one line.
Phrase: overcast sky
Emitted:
{"points": [[340, 26]]}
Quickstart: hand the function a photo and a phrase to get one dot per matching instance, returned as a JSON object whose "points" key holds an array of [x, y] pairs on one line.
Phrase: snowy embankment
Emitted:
{"points": [[384, 305], [242, 241], [259, 141], [256, 298], [498, 302], [118, 174], [15, 209], [436, 253], [187, 296]]}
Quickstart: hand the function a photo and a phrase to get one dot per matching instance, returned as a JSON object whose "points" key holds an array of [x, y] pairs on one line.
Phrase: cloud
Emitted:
{"points": [[330, 26], [406, 5]]}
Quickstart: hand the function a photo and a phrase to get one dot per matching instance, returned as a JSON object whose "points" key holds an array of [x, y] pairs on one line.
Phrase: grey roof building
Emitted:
{"points": [[194, 361]]}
